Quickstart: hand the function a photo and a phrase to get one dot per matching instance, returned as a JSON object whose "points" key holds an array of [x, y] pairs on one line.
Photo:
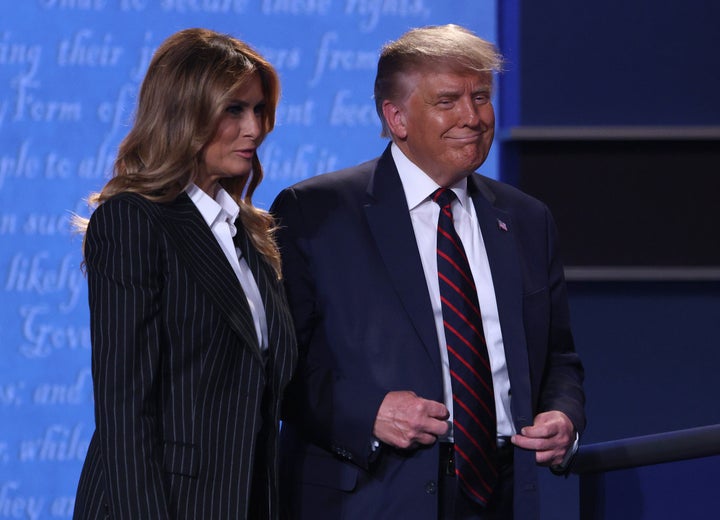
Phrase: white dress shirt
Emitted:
{"points": [[220, 214], [424, 216]]}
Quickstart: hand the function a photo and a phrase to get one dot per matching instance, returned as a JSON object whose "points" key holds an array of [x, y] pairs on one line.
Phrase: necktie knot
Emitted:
{"points": [[444, 197]]}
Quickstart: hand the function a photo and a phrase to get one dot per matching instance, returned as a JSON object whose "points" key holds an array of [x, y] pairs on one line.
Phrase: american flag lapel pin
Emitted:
{"points": [[501, 225]]}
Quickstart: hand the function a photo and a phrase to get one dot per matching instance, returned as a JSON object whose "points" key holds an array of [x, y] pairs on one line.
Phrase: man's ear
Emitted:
{"points": [[395, 119]]}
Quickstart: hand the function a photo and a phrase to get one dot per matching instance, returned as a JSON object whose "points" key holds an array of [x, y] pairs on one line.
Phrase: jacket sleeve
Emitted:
{"points": [[333, 411], [562, 386], [125, 283]]}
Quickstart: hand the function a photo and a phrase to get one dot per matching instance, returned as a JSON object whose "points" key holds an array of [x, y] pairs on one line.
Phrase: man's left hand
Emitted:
{"points": [[550, 436]]}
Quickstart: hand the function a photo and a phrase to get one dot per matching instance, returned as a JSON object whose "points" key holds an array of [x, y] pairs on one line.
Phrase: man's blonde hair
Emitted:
{"points": [[449, 47]]}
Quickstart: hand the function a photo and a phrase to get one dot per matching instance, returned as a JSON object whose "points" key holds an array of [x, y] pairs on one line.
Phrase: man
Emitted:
{"points": [[425, 391]]}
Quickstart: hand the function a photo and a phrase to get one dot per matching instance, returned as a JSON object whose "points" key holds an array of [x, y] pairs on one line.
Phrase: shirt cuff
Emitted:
{"points": [[564, 466]]}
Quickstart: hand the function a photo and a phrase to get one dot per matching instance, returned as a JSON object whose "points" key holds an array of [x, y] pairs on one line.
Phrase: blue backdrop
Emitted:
{"points": [[69, 74]]}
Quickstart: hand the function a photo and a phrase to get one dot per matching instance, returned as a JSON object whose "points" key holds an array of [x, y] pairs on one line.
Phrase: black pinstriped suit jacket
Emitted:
{"points": [[186, 404]]}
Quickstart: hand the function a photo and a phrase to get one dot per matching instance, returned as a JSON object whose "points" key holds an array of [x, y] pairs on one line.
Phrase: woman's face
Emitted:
{"points": [[231, 150]]}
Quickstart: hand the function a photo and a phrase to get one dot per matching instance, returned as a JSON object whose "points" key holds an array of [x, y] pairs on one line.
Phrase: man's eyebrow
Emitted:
{"points": [[482, 89], [448, 93]]}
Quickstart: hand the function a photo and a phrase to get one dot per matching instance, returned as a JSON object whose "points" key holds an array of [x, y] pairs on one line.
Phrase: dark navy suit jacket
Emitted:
{"points": [[186, 404], [365, 327]]}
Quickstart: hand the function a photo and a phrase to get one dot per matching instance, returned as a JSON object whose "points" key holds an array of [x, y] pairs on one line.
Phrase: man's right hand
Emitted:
{"points": [[405, 420]]}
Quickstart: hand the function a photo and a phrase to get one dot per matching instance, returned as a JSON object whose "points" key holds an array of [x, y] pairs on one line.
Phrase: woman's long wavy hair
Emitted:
{"points": [[186, 89]]}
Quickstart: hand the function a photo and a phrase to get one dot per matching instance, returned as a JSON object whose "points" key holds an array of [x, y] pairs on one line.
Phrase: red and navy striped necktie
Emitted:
{"points": [[474, 418]]}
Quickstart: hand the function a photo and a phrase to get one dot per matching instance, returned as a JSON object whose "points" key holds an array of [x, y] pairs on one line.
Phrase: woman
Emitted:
{"points": [[191, 337]]}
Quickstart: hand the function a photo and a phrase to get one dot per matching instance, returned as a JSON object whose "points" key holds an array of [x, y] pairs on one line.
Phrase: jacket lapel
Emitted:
{"points": [[281, 340], [501, 245], [206, 261], [389, 219]]}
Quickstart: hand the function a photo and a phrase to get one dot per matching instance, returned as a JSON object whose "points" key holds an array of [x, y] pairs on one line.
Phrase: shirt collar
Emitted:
{"points": [[222, 207], [418, 186]]}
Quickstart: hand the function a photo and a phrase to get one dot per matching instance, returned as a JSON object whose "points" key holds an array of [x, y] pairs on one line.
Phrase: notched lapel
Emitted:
{"points": [[503, 254], [496, 226], [389, 220], [206, 261], [281, 338]]}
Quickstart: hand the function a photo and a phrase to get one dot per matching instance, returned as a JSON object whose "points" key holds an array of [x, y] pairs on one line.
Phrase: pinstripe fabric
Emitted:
{"points": [[186, 405]]}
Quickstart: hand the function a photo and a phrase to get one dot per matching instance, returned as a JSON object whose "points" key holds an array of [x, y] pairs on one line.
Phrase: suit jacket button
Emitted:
{"points": [[431, 487]]}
